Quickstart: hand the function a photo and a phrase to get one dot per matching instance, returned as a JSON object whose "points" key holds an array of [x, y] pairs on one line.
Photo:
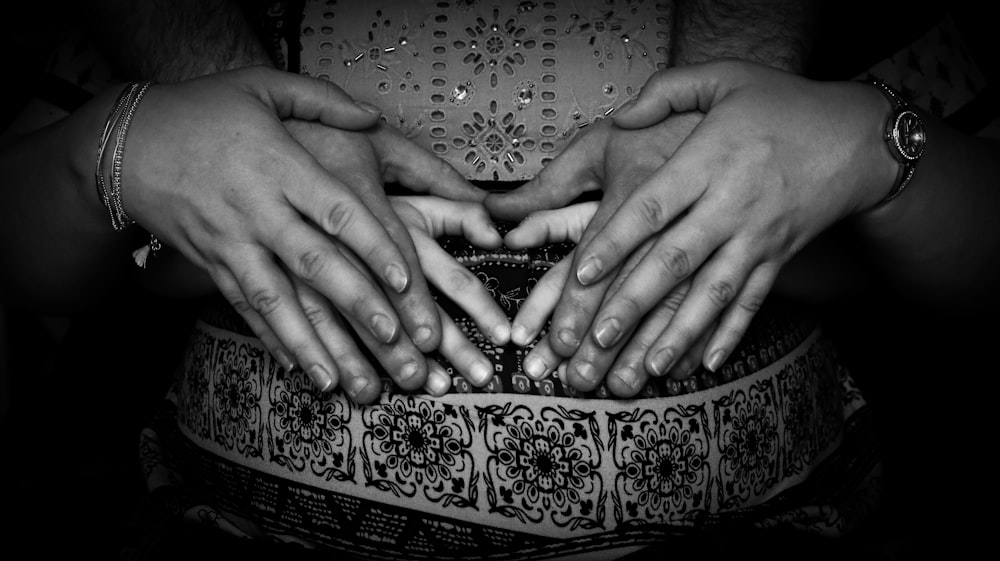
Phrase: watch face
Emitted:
{"points": [[909, 135]]}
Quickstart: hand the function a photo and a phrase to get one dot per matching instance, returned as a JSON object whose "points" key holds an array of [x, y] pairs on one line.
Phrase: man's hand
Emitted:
{"points": [[607, 158]]}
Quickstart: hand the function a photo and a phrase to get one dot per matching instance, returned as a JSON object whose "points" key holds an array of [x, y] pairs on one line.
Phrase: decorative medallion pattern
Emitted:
{"points": [[494, 88]]}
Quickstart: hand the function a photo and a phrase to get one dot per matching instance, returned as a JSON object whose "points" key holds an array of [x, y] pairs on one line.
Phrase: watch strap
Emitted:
{"points": [[907, 164]]}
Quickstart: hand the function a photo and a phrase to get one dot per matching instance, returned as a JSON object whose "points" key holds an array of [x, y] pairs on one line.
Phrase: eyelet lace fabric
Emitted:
{"points": [[520, 469], [495, 89]]}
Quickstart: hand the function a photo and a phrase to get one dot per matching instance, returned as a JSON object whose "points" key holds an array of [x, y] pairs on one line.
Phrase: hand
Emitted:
{"points": [[603, 157], [627, 374], [253, 208], [365, 161], [429, 218], [776, 160]]}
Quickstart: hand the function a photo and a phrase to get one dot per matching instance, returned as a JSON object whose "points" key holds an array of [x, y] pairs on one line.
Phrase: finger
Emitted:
{"points": [[401, 360], [551, 226], [444, 217], [311, 99], [463, 354], [340, 213], [438, 381], [588, 366], [570, 174], [231, 291], [348, 157], [537, 307], [541, 361], [690, 361], [464, 288], [319, 261], [420, 170], [629, 375], [646, 211], [738, 315], [713, 288], [357, 377], [269, 293], [672, 258], [674, 90]]}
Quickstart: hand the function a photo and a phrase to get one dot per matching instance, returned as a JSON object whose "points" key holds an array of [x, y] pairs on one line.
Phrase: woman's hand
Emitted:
{"points": [[255, 209], [428, 218]]}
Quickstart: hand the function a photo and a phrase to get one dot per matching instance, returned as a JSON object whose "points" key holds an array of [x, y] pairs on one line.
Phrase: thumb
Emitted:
{"points": [[675, 90], [552, 226], [310, 99], [559, 183]]}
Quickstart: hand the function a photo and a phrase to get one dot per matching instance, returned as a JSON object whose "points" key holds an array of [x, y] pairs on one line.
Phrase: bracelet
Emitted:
{"points": [[116, 126]]}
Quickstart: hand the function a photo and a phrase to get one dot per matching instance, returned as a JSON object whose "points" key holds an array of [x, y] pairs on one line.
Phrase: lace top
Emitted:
{"points": [[494, 88]]}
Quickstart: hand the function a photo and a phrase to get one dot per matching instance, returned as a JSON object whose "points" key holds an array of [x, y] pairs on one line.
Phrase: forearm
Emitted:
{"points": [[172, 40], [773, 32], [58, 249], [939, 241]]}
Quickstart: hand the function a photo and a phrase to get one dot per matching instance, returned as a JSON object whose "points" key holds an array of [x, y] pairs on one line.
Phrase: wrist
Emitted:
{"points": [[903, 138]]}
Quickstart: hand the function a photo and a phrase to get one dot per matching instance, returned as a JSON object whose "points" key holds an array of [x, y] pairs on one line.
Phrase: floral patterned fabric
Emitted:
{"points": [[519, 468]]}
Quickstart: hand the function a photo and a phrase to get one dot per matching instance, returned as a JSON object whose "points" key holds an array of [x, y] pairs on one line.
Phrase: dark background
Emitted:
{"points": [[70, 478]]}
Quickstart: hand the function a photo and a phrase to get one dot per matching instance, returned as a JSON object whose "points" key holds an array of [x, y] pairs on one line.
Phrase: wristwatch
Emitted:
{"points": [[906, 137]]}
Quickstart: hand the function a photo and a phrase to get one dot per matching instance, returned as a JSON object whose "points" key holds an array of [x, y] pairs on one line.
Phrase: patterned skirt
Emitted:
{"points": [[779, 438]]}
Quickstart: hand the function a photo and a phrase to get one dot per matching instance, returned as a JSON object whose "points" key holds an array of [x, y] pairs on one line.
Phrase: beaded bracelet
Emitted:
{"points": [[117, 126]]}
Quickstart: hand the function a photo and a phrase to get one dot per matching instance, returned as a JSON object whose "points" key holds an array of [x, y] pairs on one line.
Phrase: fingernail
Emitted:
{"points": [[585, 370], [662, 361], [356, 385], [568, 338], [535, 367], [368, 107], [438, 382], [501, 335], [608, 332], [320, 377], [715, 361], [393, 274], [628, 376], [284, 360], [408, 371], [684, 368], [422, 335], [481, 372], [561, 373], [589, 271], [520, 335], [383, 328]]}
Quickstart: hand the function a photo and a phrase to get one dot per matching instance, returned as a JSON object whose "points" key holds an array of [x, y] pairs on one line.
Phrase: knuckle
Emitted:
{"points": [[460, 280], [265, 302], [316, 315], [652, 213], [672, 302], [751, 303], [674, 261], [311, 264], [630, 305], [239, 304], [339, 218], [721, 292]]}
